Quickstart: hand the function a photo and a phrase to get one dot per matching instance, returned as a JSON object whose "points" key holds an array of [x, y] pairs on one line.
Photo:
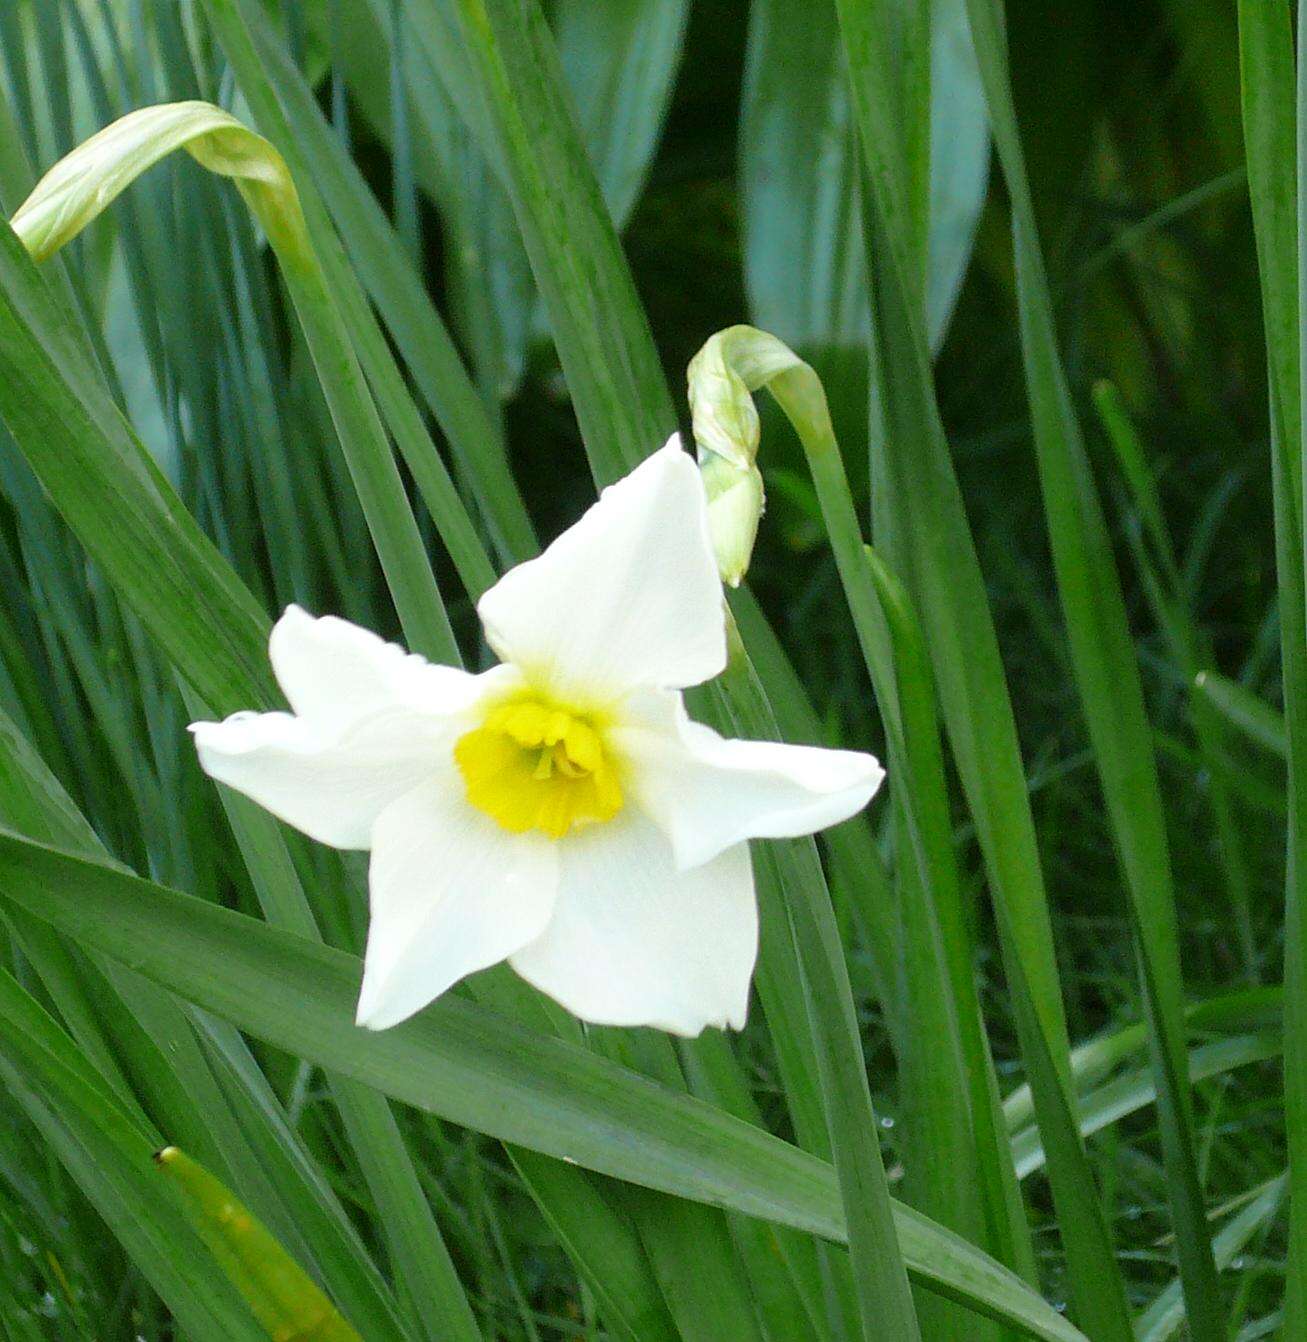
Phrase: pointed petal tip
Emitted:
{"points": [[627, 597], [373, 1014], [294, 615], [673, 456]]}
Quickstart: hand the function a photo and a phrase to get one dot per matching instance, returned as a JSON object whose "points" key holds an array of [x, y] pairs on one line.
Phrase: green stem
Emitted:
{"points": [[731, 366], [84, 182], [722, 376], [884, 1297]]}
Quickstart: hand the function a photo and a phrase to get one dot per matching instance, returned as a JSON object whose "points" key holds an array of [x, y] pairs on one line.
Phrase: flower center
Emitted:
{"points": [[532, 765]]}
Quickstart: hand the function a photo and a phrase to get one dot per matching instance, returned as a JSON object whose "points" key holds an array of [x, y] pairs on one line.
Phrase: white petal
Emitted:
{"points": [[330, 783], [451, 892], [634, 941], [338, 672], [627, 597], [709, 793]]}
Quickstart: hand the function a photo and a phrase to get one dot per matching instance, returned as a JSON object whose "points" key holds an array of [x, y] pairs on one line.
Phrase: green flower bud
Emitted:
{"points": [[722, 378]]}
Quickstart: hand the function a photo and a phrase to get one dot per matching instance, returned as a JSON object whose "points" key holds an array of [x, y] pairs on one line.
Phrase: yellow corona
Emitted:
{"points": [[533, 765]]}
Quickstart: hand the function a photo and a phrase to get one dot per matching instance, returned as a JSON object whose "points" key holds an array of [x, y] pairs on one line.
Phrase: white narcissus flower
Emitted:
{"points": [[560, 810]]}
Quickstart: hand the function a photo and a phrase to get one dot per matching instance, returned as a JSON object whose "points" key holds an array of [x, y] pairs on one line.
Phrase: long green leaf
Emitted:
{"points": [[949, 974], [1107, 676], [1252, 715], [114, 497], [804, 265], [1190, 647], [1249, 1009], [181, 1095], [921, 527], [286, 105], [1266, 60], [1135, 1090], [478, 1069], [602, 335]]}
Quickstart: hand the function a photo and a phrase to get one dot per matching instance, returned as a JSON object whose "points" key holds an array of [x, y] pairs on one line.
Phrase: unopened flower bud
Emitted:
{"points": [[722, 378], [735, 506]]}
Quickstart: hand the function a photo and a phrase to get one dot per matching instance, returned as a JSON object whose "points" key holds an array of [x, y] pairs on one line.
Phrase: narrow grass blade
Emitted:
{"points": [[338, 1251], [492, 298], [603, 1243], [789, 1292], [1266, 59], [286, 105], [1107, 676], [858, 861], [111, 493], [1136, 1090], [1257, 720], [602, 334], [1165, 1317], [921, 528], [952, 977], [1248, 1009], [1191, 650]]}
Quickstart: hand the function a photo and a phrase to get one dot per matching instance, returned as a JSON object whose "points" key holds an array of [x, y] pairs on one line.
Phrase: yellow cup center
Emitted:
{"points": [[533, 765]]}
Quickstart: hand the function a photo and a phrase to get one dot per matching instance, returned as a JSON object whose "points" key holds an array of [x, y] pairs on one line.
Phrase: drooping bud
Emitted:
{"points": [[736, 502], [722, 378], [84, 182]]}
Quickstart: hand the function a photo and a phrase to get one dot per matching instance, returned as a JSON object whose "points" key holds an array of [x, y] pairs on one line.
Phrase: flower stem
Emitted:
{"points": [[884, 1297], [83, 183]]}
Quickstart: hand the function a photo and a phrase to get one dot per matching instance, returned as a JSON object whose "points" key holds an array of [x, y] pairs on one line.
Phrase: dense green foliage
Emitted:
{"points": [[1063, 373]]}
